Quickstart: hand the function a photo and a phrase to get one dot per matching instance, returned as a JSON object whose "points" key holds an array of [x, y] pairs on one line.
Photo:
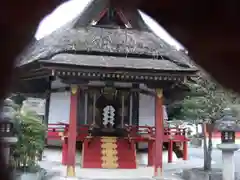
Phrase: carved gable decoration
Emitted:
{"points": [[111, 17]]}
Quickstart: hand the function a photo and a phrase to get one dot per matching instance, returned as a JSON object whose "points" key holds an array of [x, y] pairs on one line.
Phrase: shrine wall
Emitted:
{"points": [[59, 107], [147, 113], [146, 110]]}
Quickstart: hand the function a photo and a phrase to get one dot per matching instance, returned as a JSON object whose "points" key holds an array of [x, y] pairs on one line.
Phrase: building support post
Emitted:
{"points": [[170, 151], [72, 133], [130, 108], [85, 107], [122, 112], [94, 108], [185, 150], [64, 151], [150, 152], [158, 149]]}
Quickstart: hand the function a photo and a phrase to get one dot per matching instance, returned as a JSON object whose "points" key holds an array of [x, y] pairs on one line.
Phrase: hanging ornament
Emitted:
{"points": [[108, 115]]}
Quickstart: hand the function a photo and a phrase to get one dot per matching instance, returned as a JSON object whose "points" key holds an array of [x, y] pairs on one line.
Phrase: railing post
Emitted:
{"points": [[150, 152], [64, 151], [185, 146], [150, 147], [170, 151], [64, 145]]}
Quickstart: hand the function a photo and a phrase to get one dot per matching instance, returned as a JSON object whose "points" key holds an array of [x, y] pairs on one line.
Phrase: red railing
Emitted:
{"points": [[138, 133], [143, 133], [54, 130]]}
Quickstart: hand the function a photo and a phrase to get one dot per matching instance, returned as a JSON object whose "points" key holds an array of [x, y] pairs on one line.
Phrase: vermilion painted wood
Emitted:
{"points": [[136, 131], [126, 154], [150, 153], [72, 133], [159, 135], [64, 151], [92, 154], [170, 151], [185, 151]]}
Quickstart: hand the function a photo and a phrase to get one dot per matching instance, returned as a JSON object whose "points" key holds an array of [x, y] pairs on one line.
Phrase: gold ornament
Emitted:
{"points": [[107, 137], [108, 140], [159, 92], [71, 171], [109, 152], [109, 159], [108, 146], [60, 134], [109, 165], [74, 89]]}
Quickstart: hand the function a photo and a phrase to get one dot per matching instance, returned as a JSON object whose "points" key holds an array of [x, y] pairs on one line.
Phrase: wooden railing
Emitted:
{"points": [[55, 130], [138, 133]]}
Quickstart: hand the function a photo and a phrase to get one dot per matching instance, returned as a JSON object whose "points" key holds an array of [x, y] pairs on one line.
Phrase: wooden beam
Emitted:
{"points": [[34, 74], [135, 109], [47, 102], [124, 19], [39, 75], [100, 16]]}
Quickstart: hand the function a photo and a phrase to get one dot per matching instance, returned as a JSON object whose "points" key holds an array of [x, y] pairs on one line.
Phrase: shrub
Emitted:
{"points": [[31, 139]]}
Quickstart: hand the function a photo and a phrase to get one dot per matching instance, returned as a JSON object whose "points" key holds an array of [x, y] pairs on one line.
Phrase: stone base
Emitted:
{"points": [[200, 174], [163, 178], [196, 142], [40, 175]]}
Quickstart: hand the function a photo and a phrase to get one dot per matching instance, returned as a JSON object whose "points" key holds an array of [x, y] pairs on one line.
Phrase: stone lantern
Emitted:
{"points": [[7, 131], [227, 126]]}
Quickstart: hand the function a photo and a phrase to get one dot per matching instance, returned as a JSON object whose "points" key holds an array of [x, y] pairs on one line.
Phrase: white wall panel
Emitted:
{"points": [[58, 84], [147, 113], [59, 108], [146, 110]]}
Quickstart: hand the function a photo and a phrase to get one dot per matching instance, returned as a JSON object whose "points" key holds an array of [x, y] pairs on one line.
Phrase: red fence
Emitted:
{"points": [[138, 133]]}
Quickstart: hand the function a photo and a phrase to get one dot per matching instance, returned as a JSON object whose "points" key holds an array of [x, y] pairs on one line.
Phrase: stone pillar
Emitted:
{"points": [[7, 142], [228, 169], [7, 153]]}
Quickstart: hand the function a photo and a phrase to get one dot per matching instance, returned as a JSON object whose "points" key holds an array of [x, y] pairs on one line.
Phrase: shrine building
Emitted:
{"points": [[106, 78]]}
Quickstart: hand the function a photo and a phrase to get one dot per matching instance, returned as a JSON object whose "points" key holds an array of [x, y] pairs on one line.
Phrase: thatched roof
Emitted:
{"points": [[75, 38], [114, 62]]}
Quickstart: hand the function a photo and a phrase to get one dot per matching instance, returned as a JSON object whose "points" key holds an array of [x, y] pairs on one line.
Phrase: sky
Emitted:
{"points": [[69, 10]]}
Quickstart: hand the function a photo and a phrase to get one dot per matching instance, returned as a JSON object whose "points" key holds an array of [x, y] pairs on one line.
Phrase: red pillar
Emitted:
{"points": [[170, 151], [185, 150], [72, 132], [158, 149], [150, 152], [64, 151]]}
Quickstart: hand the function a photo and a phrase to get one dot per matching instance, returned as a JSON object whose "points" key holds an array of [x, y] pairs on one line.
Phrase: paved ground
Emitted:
{"points": [[216, 157], [52, 163]]}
